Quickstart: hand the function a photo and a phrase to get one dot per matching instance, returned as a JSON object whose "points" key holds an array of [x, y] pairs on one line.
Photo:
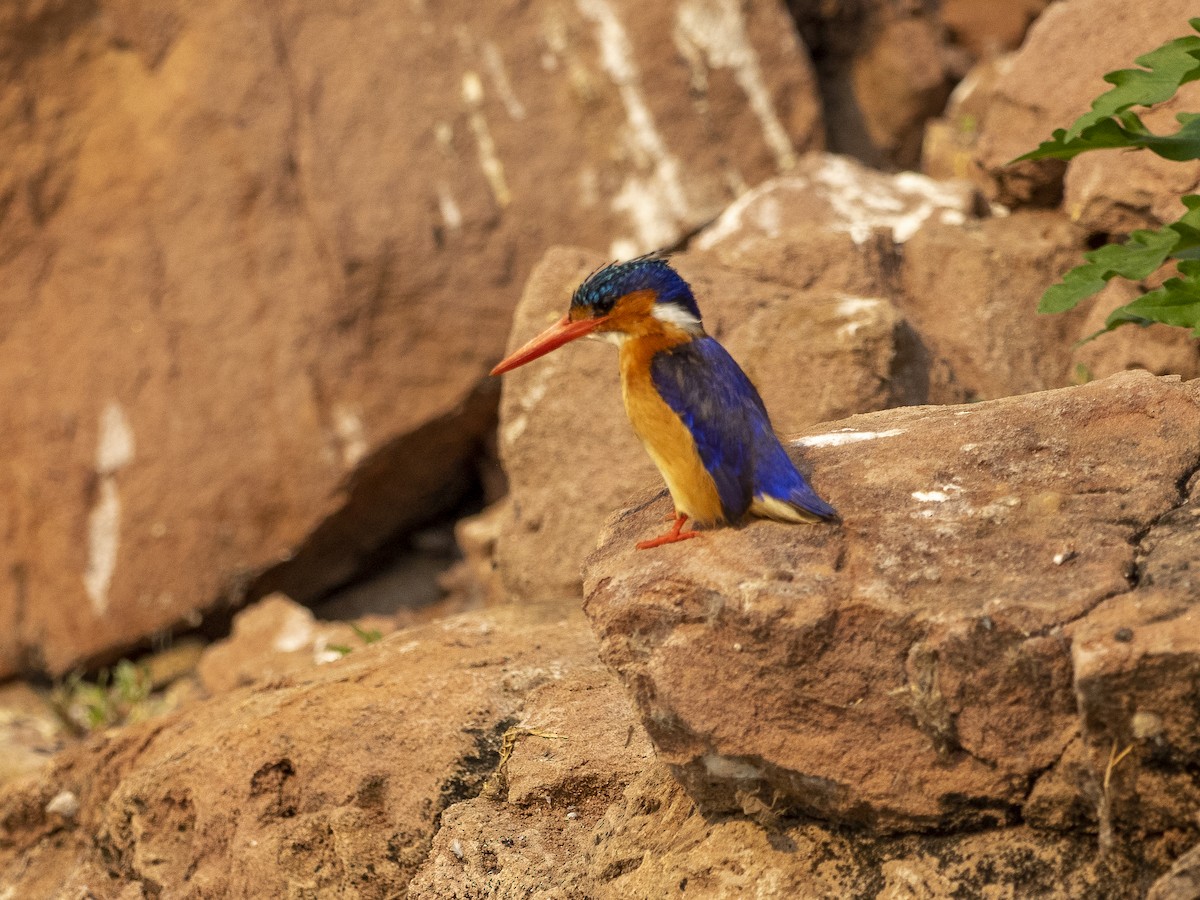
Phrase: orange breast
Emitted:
{"points": [[664, 435]]}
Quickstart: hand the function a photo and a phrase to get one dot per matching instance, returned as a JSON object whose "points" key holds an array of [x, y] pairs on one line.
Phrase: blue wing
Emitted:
{"points": [[711, 394]]}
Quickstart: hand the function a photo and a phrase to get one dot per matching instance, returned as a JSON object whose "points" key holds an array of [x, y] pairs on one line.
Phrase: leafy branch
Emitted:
{"points": [[1112, 124]]}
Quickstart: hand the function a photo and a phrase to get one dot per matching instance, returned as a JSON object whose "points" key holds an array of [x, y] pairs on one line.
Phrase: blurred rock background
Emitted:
{"points": [[258, 491]]}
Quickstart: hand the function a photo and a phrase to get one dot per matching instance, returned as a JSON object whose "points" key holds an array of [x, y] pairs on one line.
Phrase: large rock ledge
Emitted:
{"points": [[1002, 613]]}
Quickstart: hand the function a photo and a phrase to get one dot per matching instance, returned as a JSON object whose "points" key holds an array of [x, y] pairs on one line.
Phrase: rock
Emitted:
{"points": [[831, 193], [884, 67], [901, 80], [1136, 667], [987, 28], [971, 292], [652, 841], [29, 731], [474, 581], [276, 637], [1159, 349], [330, 780], [911, 668], [1182, 882], [246, 233], [1114, 192], [530, 827], [564, 438], [1079, 40]]}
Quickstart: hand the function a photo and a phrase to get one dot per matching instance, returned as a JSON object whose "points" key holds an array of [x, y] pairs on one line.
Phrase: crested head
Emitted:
{"points": [[603, 290]]}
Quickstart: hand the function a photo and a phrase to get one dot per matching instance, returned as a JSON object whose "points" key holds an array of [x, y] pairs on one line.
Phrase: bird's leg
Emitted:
{"points": [[675, 534]]}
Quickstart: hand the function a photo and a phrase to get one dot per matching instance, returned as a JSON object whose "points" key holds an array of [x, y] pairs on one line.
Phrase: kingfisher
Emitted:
{"points": [[694, 409]]}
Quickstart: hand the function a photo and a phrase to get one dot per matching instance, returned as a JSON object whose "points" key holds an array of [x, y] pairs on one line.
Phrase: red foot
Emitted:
{"points": [[671, 536]]}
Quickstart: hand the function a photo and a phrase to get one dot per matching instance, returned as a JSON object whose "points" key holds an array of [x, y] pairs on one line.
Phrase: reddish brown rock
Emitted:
{"points": [[650, 840], [256, 263], [911, 667], [276, 637], [986, 28], [1159, 349], [885, 67], [327, 780], [1079, 41], [1114, 192], [900, 80], [971, 293]]}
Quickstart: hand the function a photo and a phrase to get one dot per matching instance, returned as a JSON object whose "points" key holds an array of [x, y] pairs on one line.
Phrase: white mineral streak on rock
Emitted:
{"points": [[114, 451], [838, 438], [865, 200], [349, 427], [493, 170], [655, 201], [717, 28], [859, 310], [858, 201], [295, 631], [530, 398], [495, 66], [752, 203], [451, 214]]}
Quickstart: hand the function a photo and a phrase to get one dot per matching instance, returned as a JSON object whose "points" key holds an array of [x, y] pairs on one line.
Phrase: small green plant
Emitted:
{"points": [[366, 635], [1112, 123], [117, 696]]}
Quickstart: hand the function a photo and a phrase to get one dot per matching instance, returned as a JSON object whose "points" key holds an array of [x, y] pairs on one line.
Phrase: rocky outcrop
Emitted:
{"points": [[313, 782], [927, 662], [255, 264], [1079, 41]]}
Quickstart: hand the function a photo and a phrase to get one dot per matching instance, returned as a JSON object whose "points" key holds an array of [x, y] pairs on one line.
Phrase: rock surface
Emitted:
{"points": [[329, 780], [1079, 41], [911, 668], [884, 68], [241, 234], [277, 637], [970, 292], [591, 814]]}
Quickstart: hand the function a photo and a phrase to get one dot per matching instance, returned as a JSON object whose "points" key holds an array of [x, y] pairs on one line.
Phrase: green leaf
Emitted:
{"points": [[1140, 256], [1110, 124], [1177, 302]]}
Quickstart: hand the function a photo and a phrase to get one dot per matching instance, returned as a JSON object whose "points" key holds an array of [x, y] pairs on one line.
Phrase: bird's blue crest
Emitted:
{"points": [[604, 287]]}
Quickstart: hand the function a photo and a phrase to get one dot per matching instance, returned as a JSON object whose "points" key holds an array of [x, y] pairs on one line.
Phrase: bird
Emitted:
{"points": [[696, 412]]}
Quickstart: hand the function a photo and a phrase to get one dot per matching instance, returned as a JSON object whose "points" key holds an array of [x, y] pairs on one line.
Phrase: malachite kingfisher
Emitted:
{"points": [[697, 414]]}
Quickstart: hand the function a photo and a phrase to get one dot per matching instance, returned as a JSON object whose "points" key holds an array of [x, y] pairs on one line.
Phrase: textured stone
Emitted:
{"points": [[884, 67], [326, 781], [256, 262], [276, 637], [971, 292], [988, 28], [1182, 882], [1159, 349], [1079, 41], [910, 668], [652, 841]]}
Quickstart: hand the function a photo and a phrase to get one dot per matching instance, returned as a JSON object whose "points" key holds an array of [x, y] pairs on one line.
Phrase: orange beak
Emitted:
{"points": [[561, 332]]}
